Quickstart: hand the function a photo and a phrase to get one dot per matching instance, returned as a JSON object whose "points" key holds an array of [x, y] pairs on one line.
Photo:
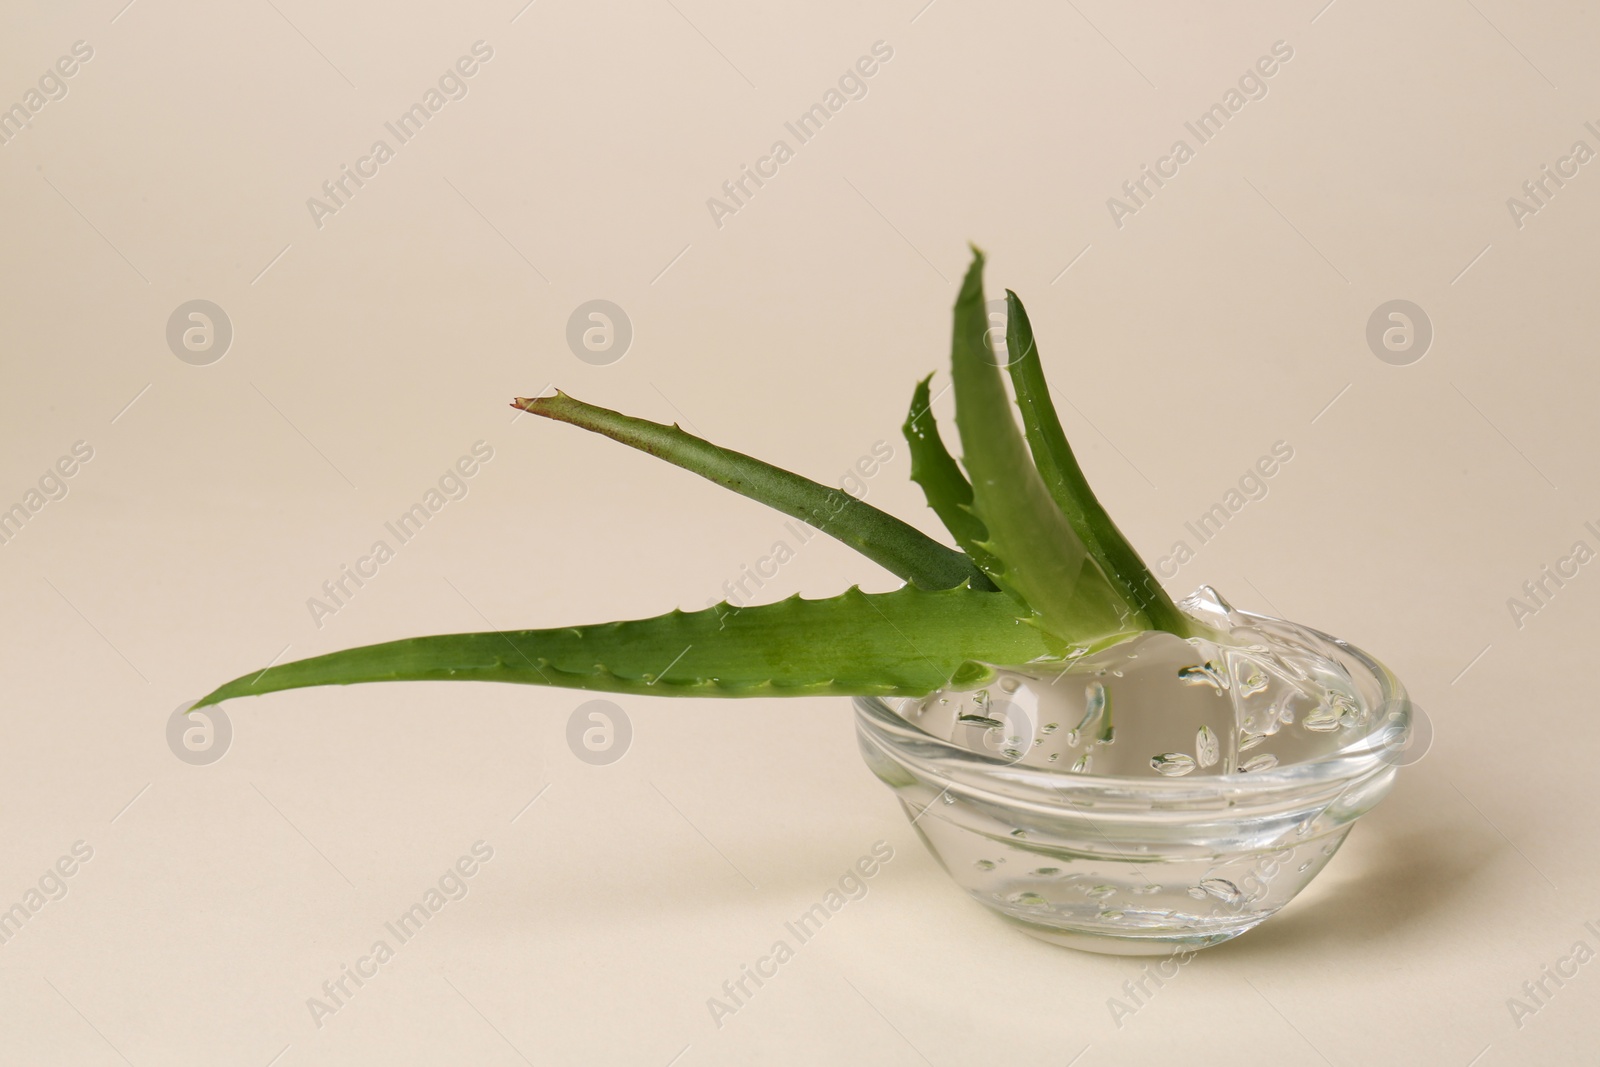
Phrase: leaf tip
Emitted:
{"points": [[972, 284], [530, 403]]}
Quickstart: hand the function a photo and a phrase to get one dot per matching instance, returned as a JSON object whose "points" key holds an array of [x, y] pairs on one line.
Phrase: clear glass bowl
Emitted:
{"points": [[1164, 860]]}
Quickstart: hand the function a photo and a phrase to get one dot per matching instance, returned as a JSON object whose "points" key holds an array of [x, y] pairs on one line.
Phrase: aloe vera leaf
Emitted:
{"points": [[901, 548], [1064, 479], [908, 642], [947, 490], [1042, 560]]}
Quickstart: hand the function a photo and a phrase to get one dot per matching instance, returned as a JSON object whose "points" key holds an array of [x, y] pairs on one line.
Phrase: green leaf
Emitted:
{"points": [[882, 538], [947, 489], [1059, 470], [908, 642], [1043, 561]]}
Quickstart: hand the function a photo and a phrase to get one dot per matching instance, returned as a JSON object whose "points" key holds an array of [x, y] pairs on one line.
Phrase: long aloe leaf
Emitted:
{"points": [[1043, 560], [882, 538], [948, 492], [1064, 479], [908, 642]]}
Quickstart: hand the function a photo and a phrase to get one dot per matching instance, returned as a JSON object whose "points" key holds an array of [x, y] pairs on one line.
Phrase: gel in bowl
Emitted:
{"points": [[1163, 794]]}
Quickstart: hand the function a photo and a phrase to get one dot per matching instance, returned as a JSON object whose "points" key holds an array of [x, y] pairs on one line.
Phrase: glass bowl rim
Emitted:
{"points": [[1391, 726]]}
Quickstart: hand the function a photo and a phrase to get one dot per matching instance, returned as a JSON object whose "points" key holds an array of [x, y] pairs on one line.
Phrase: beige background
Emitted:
{"points": [[1227, 314]]}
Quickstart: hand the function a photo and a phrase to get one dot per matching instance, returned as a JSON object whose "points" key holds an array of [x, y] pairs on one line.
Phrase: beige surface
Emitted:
{"points": [[1225, 315]]}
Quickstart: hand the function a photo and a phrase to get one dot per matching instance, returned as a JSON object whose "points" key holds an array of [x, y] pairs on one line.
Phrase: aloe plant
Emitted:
{"points": [[1039, 573]]}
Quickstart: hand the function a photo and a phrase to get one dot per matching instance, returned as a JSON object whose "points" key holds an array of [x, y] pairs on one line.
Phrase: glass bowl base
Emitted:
{"points": [[1128, 944]]}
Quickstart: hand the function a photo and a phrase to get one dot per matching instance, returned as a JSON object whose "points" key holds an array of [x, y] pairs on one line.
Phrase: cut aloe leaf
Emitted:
{"points": [[1063, 478], [1044, 575], [947, 490], [1041, 559], [882, 538], [908, 642]]}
